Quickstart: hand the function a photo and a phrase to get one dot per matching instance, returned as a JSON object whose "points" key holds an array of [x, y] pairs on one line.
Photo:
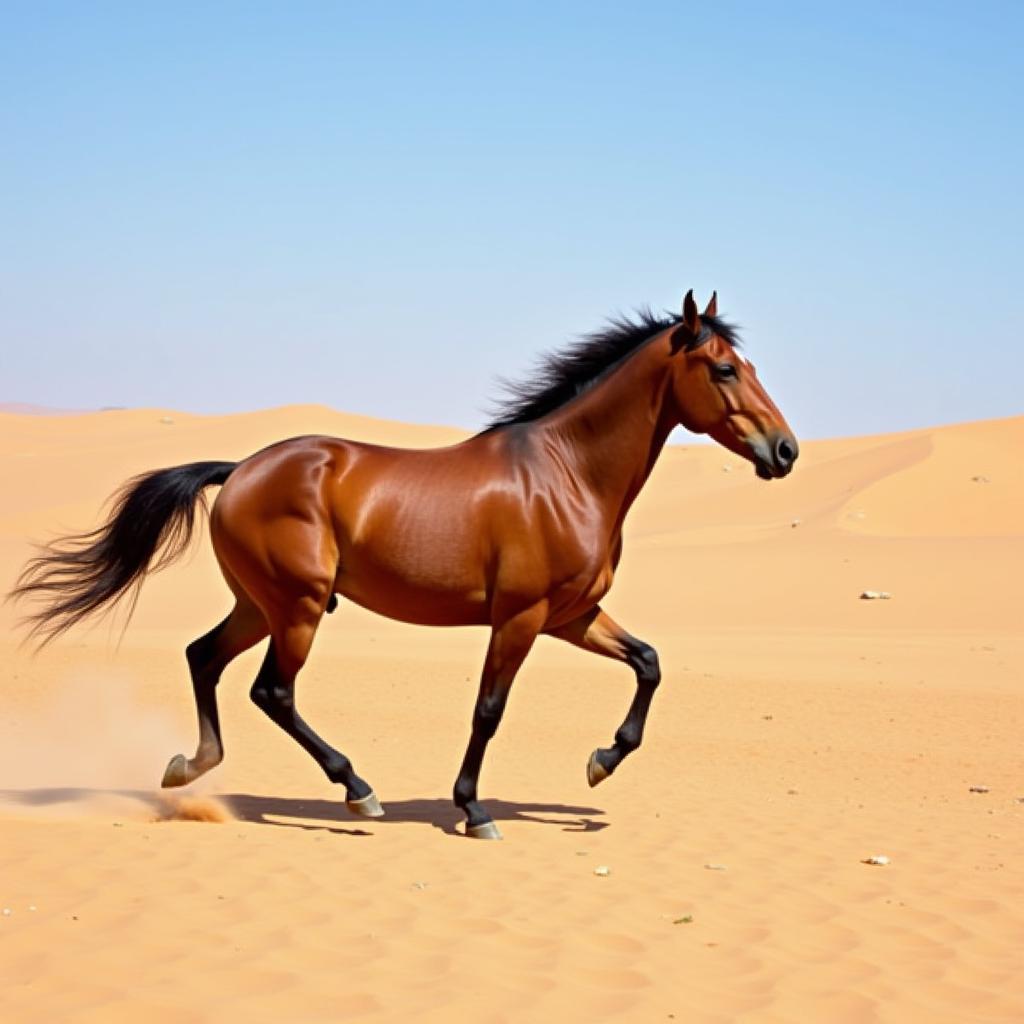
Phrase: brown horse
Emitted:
{"points": [[518, 528]]}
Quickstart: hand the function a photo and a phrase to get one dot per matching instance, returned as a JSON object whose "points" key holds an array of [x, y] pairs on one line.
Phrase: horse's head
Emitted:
{"points": [[716, 392]]}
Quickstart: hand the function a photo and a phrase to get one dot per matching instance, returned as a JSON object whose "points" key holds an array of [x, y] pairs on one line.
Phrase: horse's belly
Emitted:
{"points": [[430, 588], [419, 608]]}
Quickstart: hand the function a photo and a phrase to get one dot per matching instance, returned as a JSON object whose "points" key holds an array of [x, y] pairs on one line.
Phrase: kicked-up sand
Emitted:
{"points": [[798, 732]]}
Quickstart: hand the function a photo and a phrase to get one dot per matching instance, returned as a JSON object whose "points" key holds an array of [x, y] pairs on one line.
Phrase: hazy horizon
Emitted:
{"points": [[680, 436]]}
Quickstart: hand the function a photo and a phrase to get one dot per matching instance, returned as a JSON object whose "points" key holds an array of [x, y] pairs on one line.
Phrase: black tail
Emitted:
{"points": [[152, 517]]}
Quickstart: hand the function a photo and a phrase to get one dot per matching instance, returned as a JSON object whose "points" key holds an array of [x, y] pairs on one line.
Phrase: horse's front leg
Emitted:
{"points": [[511, 640], [598, 632]]}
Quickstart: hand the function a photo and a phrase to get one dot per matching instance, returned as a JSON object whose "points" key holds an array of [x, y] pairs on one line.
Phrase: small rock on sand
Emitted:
{"points": [[978, 789], [715, 867], [875, 595], [879, 859], [602, 871]]}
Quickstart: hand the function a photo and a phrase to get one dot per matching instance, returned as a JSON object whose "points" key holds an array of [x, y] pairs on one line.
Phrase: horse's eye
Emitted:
{"points": [[725, 371]]}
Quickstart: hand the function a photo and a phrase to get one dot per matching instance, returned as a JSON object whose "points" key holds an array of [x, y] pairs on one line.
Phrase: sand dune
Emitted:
{"points": [[798, 731]]}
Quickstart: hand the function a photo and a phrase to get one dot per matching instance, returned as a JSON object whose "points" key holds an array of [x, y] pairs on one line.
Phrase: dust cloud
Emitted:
{"points": [[91, 750]]}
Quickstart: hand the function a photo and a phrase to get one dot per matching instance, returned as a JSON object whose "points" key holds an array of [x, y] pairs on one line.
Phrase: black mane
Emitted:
{"points": [[561, 376]]}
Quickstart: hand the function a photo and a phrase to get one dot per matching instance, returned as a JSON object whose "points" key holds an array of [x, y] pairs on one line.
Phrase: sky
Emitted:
{"points": [[383, 208]]}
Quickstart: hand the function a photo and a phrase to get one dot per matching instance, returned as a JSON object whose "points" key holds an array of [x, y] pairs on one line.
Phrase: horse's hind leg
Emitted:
{"points": [[207, 658], [595, 631], [274, 693]]}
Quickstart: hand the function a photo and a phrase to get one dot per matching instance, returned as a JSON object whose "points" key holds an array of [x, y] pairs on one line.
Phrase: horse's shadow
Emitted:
{"points": [[326, 815]]}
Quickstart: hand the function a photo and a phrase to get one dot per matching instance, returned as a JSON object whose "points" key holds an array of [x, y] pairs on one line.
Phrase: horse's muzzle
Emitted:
{"points": [[774, 457]]}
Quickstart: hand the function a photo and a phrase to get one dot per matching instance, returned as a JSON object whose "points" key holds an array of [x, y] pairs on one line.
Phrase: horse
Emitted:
{"points": [[518, 528]]}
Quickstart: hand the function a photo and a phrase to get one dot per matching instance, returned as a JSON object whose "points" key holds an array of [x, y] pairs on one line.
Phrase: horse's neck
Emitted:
{"points": [[612, 435]]}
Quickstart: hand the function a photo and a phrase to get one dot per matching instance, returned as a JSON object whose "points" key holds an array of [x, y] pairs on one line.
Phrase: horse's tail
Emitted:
{"points": [[150, 524]]}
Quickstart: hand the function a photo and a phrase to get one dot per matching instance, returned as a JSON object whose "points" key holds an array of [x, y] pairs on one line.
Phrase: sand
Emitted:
{"points": [[799, 730]]}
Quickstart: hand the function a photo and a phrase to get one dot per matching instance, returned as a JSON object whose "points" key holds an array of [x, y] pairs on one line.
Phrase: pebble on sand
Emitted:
{"points": [[714, 867], [875, 595], [602, 870], [879, 858], [979, 789]]}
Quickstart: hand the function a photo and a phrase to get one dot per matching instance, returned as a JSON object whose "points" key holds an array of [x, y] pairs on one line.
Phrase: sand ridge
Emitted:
{"points": [[798, 731]]}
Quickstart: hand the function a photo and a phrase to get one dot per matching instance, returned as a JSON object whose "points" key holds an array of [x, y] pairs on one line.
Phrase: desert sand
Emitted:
{"points": [[799, 731]]}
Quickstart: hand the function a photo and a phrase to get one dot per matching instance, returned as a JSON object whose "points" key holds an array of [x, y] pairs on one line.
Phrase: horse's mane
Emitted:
{"points": [[561, 376]]}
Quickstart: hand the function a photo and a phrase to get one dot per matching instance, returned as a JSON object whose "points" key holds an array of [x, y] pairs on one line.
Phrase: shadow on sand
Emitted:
{"points": [[325, 815]]}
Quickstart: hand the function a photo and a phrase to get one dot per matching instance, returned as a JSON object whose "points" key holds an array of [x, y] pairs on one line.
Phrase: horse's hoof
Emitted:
{"points": [[176, 773], [367, 807], [485, 830], [596, 772]]}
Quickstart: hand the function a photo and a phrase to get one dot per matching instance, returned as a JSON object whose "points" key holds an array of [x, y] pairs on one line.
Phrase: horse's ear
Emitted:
{"points": [[691, 318], [689, 330], [712, 309]]}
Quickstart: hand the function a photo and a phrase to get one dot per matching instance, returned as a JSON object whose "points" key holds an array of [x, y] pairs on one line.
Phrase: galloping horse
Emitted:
{"points": [[518, 528]]}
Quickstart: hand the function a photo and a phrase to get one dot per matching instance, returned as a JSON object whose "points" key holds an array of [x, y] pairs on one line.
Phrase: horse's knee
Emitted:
{"points": [[487, 715]]}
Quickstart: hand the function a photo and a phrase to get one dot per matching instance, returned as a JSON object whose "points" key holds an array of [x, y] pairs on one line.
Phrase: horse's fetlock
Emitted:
{"points": [[464, 792], [209, 755], [337, 768], [627, 739]]}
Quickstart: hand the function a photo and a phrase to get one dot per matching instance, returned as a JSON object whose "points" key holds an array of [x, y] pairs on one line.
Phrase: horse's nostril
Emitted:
{"points": [[785, 452]]}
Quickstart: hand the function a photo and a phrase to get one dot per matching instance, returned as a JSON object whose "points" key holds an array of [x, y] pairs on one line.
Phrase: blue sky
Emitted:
{"points": [[218, 207]]}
